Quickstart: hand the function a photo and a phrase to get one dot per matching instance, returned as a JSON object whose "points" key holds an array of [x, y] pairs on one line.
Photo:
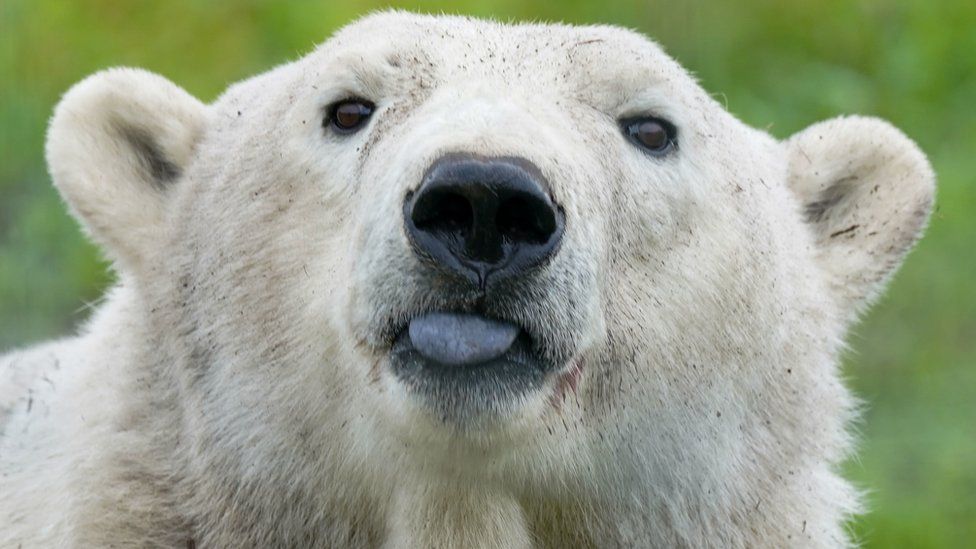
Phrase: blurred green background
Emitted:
{"points": [[778, 65]]}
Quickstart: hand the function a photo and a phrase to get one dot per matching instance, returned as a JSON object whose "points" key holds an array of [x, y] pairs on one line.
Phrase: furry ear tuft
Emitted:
{"points": [[117, 141], [867, 192]]}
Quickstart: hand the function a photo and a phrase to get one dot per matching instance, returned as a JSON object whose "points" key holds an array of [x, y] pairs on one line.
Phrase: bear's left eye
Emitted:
{"points": [[348, 115], [655, 135]]}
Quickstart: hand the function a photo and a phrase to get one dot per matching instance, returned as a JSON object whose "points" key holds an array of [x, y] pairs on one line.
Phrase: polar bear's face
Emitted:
{"points": [[471, 213], [521, 241], [460, 212]]}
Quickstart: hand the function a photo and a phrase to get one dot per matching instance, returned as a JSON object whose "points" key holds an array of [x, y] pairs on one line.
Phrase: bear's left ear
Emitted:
{"points": [[867, 191], [117, 143]]}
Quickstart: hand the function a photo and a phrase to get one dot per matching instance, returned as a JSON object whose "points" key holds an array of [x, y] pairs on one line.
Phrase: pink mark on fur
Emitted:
{"points": [[568, 380]]}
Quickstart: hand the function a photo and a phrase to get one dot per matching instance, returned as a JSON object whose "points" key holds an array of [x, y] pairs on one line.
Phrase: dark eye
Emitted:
{"points": [[654, 135], [349, 115]]}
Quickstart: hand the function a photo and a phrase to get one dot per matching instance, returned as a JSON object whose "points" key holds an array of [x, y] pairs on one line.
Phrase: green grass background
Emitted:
{"points": [[776, 64]]}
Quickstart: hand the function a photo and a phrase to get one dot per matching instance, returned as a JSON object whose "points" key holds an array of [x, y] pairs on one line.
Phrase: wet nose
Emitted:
{"points": [[486, 219]]}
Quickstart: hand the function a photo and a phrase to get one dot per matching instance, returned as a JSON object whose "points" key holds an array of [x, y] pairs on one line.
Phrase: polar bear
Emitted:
{"points": [[447, 282]]}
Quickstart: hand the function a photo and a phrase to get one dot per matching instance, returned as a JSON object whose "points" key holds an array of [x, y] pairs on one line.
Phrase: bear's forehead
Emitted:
{"points": [[579, 61], [458, 34]]}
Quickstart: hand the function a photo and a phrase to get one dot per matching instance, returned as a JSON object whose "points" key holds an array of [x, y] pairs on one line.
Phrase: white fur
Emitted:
{"points": [[233, 388]]}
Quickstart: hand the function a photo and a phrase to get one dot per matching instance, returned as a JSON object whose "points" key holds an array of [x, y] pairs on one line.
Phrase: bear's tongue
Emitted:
{"points": [[454, 339]]}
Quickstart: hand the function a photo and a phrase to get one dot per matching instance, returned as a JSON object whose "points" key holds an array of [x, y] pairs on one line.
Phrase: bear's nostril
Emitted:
{"points": [[523, 219], [444, 212]]}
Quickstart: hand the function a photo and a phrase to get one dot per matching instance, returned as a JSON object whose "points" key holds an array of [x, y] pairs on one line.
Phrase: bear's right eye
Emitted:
{"points": [[655, 135], [348, 115]]}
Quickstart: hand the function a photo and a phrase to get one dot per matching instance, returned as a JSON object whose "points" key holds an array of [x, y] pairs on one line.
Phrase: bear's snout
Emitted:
{"points": [[485, 219]]}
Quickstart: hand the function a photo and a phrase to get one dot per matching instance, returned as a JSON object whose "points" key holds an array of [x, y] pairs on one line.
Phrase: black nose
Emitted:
{"points": [[483, 218]]}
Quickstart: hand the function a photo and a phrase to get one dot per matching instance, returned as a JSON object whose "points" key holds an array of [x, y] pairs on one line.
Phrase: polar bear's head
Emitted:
{"points": [[539, 256]]}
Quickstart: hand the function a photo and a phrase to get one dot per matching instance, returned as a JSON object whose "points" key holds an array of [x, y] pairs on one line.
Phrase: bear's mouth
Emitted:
{"points": [[466, 364]]}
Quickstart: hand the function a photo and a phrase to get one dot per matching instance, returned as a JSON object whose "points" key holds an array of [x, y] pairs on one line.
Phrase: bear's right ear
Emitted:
{"points": [[867, 192], [117, 142]]}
